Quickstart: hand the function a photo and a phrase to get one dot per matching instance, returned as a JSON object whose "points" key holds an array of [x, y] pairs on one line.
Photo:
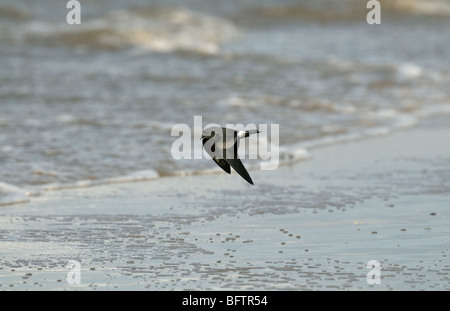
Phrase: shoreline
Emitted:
{"points": [[292, 154], [312, 225]]}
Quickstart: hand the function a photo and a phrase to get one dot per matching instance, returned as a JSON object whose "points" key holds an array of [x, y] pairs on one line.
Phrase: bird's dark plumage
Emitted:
{"points": [[222, 145]]}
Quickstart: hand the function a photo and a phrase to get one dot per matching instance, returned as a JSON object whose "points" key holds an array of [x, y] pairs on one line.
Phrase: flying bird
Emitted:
{"points": [[221, 144]]}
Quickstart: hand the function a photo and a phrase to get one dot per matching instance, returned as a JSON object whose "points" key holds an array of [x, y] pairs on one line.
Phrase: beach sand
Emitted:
{"points": [[313, 225]]}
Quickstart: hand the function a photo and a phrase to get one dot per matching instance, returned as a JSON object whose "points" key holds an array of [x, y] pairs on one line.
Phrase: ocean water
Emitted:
{"points": [[95, 103]]}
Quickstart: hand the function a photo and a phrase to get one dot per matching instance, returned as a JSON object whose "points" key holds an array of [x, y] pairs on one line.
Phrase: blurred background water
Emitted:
{"points": [[96, 102]]}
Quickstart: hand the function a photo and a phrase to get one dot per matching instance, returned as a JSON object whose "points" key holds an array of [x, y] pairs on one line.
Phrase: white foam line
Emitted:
{"points": [[134, 177], [11, 194]]}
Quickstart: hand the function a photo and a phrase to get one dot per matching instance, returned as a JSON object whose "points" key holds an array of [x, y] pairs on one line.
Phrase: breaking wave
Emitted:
{"points": [[156, 29]]}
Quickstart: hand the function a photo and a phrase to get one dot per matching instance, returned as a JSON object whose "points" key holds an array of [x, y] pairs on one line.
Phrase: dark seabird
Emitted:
{"points": [[222, 144]]}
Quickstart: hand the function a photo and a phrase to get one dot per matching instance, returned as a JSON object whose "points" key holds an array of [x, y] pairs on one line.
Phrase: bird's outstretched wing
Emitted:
{"points": [[237, 165], [223, 164]]}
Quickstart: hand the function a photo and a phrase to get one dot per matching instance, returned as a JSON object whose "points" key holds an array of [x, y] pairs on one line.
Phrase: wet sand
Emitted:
{"points": [[309, 226]]}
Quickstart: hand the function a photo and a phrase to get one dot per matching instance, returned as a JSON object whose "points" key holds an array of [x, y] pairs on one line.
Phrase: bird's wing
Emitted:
{"points": [[237, 165], [223, 164]]}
